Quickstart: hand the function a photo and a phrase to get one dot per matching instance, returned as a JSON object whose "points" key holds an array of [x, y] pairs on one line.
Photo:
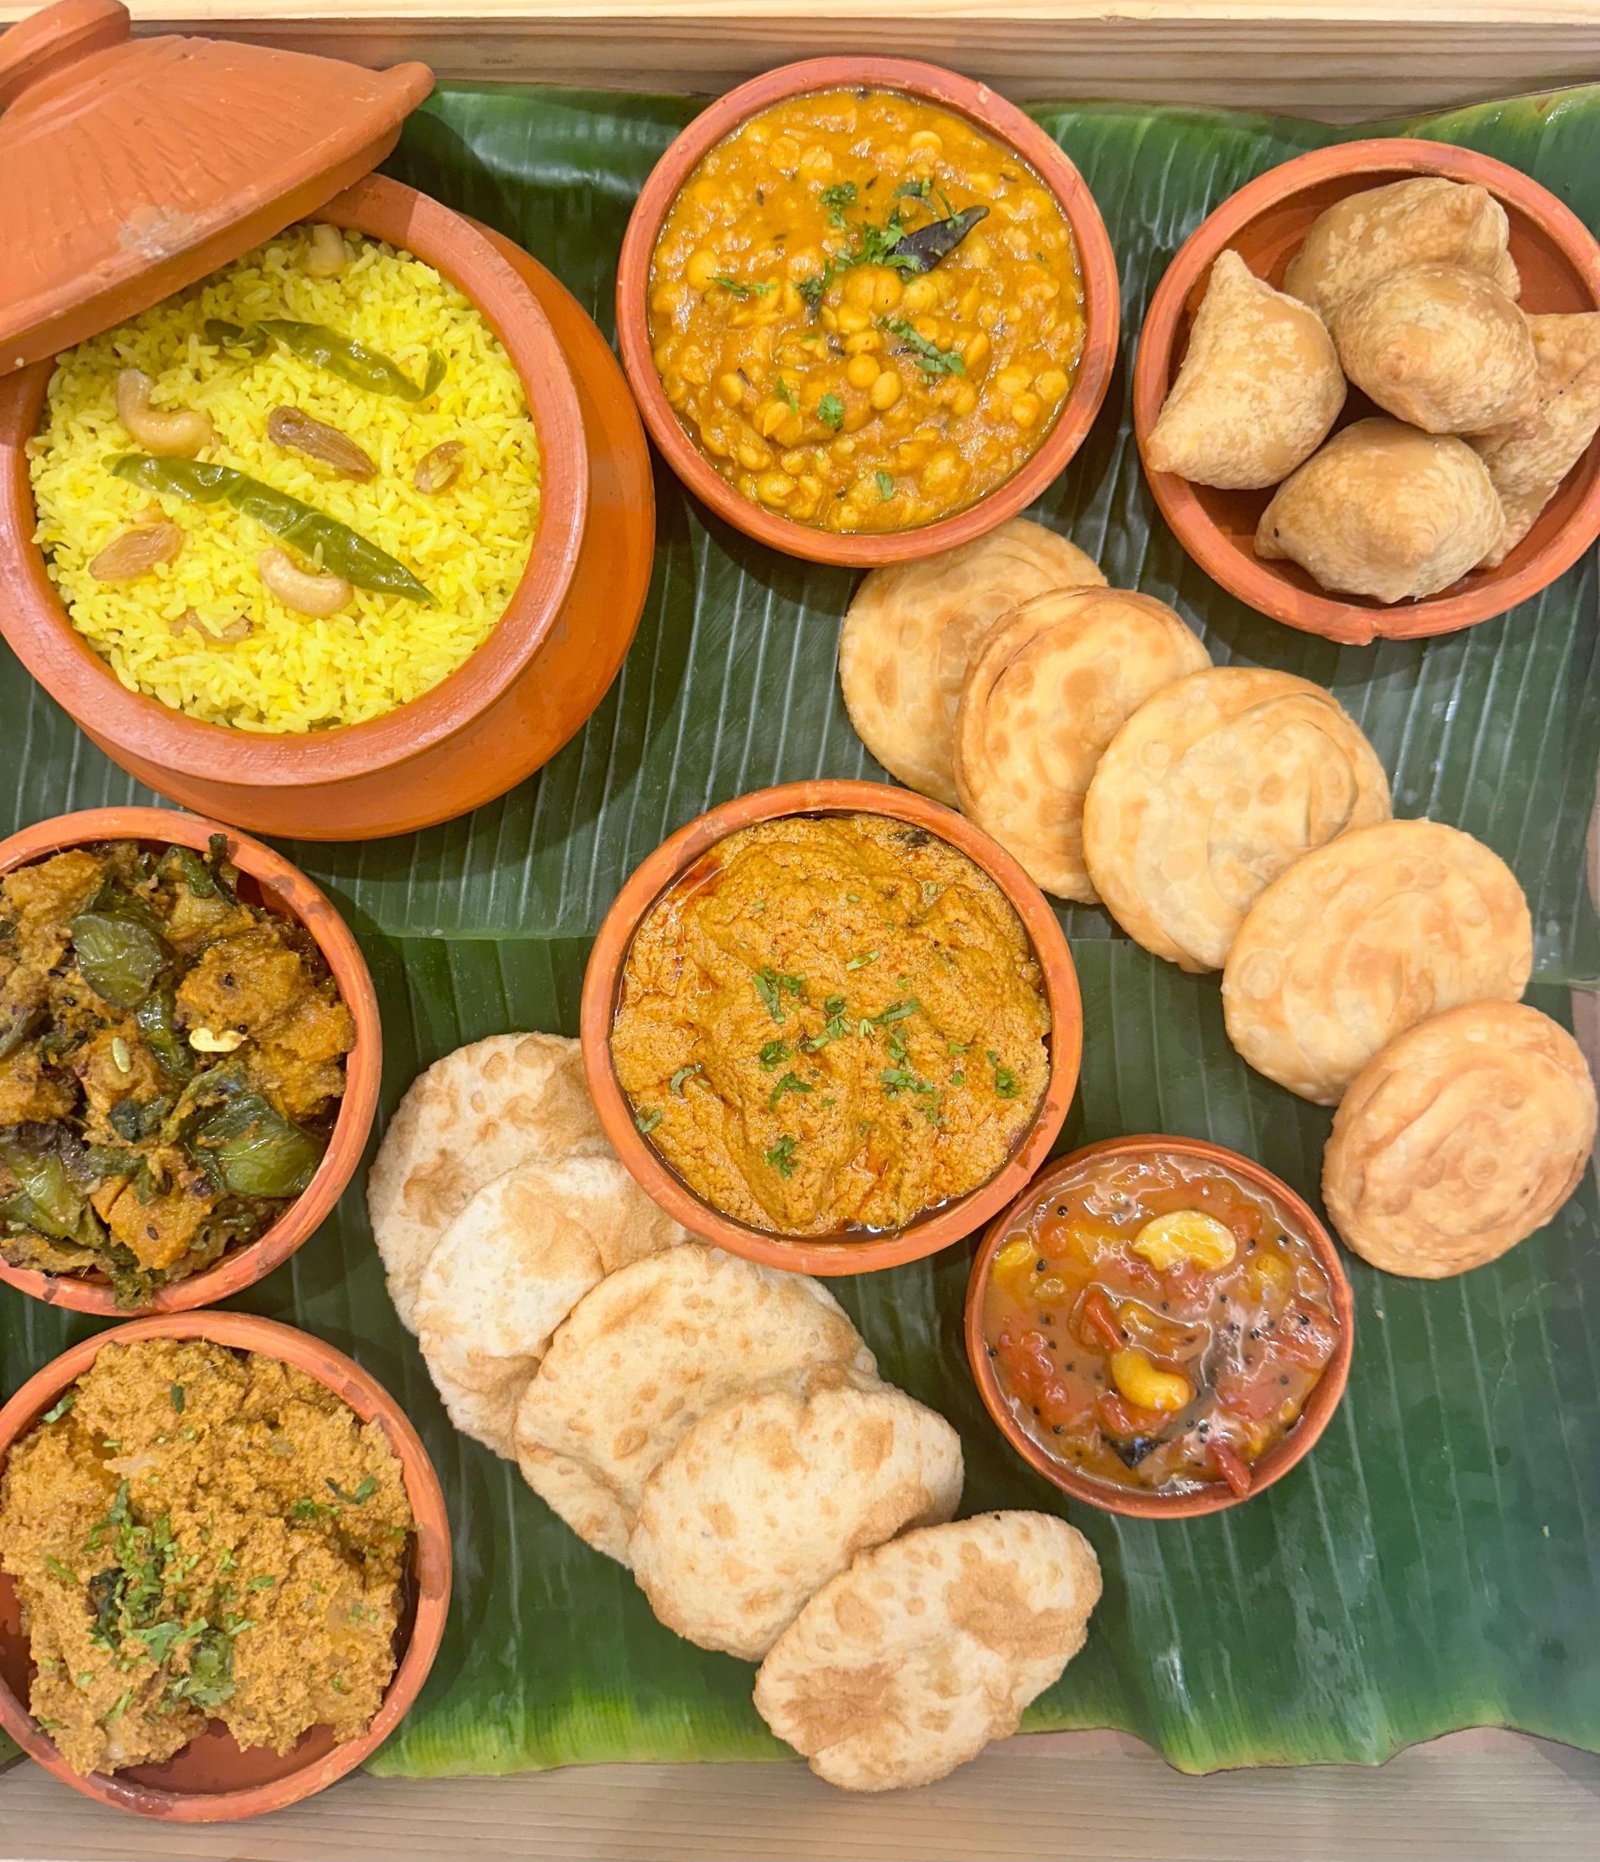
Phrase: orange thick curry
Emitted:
{"points": [[1157, 1322], [865, 311]]}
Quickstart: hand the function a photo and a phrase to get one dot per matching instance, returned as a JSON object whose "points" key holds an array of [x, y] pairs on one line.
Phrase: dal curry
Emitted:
{"points": [[831, 1023], [865, 311], [199, 1534], [171, 1062]]}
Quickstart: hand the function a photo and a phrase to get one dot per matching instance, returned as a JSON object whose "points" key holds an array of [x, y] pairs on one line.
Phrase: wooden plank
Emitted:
{"points": [[1073, 1795], [1346, 59]]}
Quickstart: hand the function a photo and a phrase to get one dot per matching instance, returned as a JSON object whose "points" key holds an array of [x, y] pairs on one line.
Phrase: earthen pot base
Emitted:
{"points": [[563, 682]]}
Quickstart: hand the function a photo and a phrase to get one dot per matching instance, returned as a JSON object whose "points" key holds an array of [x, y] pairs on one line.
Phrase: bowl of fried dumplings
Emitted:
{"points": [[1367, 391]]}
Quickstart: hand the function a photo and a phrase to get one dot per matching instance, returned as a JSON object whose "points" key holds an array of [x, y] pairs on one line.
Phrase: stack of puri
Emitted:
{"points": [[1409, 293], [717, 1427]]}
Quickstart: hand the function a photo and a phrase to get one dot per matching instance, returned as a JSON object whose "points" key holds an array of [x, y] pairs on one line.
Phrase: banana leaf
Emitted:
{"points": [[1434, 1564]]}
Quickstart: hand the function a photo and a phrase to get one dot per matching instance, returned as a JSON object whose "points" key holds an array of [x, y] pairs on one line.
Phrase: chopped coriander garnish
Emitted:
{"points": [[741, 290], [898, 1050], [770, 987], [675, 1084], [860, 963], [830, 411], [897, 1011], [854, 898], [647, 1120], [956, 1047], [178, 1398], [787, 395], [836, 198], [958, 1078], [61, 1408], [838, 1025], [1005, 1081], [885, 485], [773, 1054], [790, 1083], [898, 1080], [928, 356], [57, 1569], [811, 289], [261, 1583], [781, 1157]]}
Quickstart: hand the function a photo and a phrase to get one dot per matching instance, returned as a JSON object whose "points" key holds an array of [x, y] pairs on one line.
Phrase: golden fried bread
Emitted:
{"points": [[1212, 788], [1051, 687], [1385, 511], [1459, 1139], [913, 630], [1425, 220], [1528, 458], [1440, 346], [1362, 939], [1259, 388]]}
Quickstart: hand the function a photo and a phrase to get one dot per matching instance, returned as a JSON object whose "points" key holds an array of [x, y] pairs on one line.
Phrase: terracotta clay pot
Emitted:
{"points": [[997, 118], [281, 888], [844, 1253], [212, 1780], [1136, 1502], [1265, 223], [513, 703]]}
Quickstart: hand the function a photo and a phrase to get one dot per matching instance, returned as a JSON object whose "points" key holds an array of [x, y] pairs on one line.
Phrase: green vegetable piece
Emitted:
{"points": [[195, 874], [251, 1149], [336, 546], [928, 356], [17, 1023], [344, 356], [676, 1083], [157, 1019], [60, 1408], [647, 1120], [885, 486], [119, 949], [179, 1398], [46, 1198]]}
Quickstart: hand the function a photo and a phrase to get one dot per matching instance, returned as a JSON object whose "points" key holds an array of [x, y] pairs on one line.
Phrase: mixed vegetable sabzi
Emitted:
{"points": [[171, 1061]]}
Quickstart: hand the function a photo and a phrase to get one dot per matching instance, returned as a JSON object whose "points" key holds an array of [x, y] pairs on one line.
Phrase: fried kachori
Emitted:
{"points": [[1049, 689], [1439, 346], [1459, 1139], [476, 1113], [1528, 458], [1385, 511], [1365, 937], [1214, 786], [509, 1269], [1424, 220], [771, 1495], [912, 632], [1258, 391], [644, 1355], [907, 1664]]}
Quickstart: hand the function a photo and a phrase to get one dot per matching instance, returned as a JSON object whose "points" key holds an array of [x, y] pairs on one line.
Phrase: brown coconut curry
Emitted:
{"points": [[171, 1061], [832, 1023], [198, 1534]]}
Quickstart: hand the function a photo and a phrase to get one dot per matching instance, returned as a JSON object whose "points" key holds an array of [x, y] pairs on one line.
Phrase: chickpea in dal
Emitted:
{"points": [[832, 1023], [866, 312]]}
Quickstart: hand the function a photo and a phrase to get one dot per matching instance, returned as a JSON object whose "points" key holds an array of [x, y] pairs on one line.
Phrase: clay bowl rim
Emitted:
{"points": [[1325, 1397], [1350, 621], [34, 618], [431, 1559], [1006, 124], [814, 1254], [311, 907]]}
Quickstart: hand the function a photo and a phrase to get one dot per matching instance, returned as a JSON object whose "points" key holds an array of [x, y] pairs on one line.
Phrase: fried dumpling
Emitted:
{"points": [[1259, 389], [1528, 458], [1385, 511], [1441, 346], [1383, 229]]}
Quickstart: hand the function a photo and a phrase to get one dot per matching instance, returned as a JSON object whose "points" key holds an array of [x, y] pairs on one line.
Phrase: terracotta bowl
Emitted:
{"points": [[1217, 1497], [843, 1253], [212, 1780], [281, 888], [1265, 223], [513, 703], [996, 117]]}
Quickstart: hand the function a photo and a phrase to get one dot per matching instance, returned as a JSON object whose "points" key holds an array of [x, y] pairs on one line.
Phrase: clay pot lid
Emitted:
{"points": [[148, 164]]}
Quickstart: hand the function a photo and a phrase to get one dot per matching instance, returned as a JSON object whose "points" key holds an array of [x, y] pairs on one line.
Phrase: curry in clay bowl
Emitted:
{"points": [[831, 1027], [1159, 1327], [315, 1485], [375, 597], [191, 1065], [868, 308], [1557, 265]]}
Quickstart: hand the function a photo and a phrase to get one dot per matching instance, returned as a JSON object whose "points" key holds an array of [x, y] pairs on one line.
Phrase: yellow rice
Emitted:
{"points": [[293, 673]]}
